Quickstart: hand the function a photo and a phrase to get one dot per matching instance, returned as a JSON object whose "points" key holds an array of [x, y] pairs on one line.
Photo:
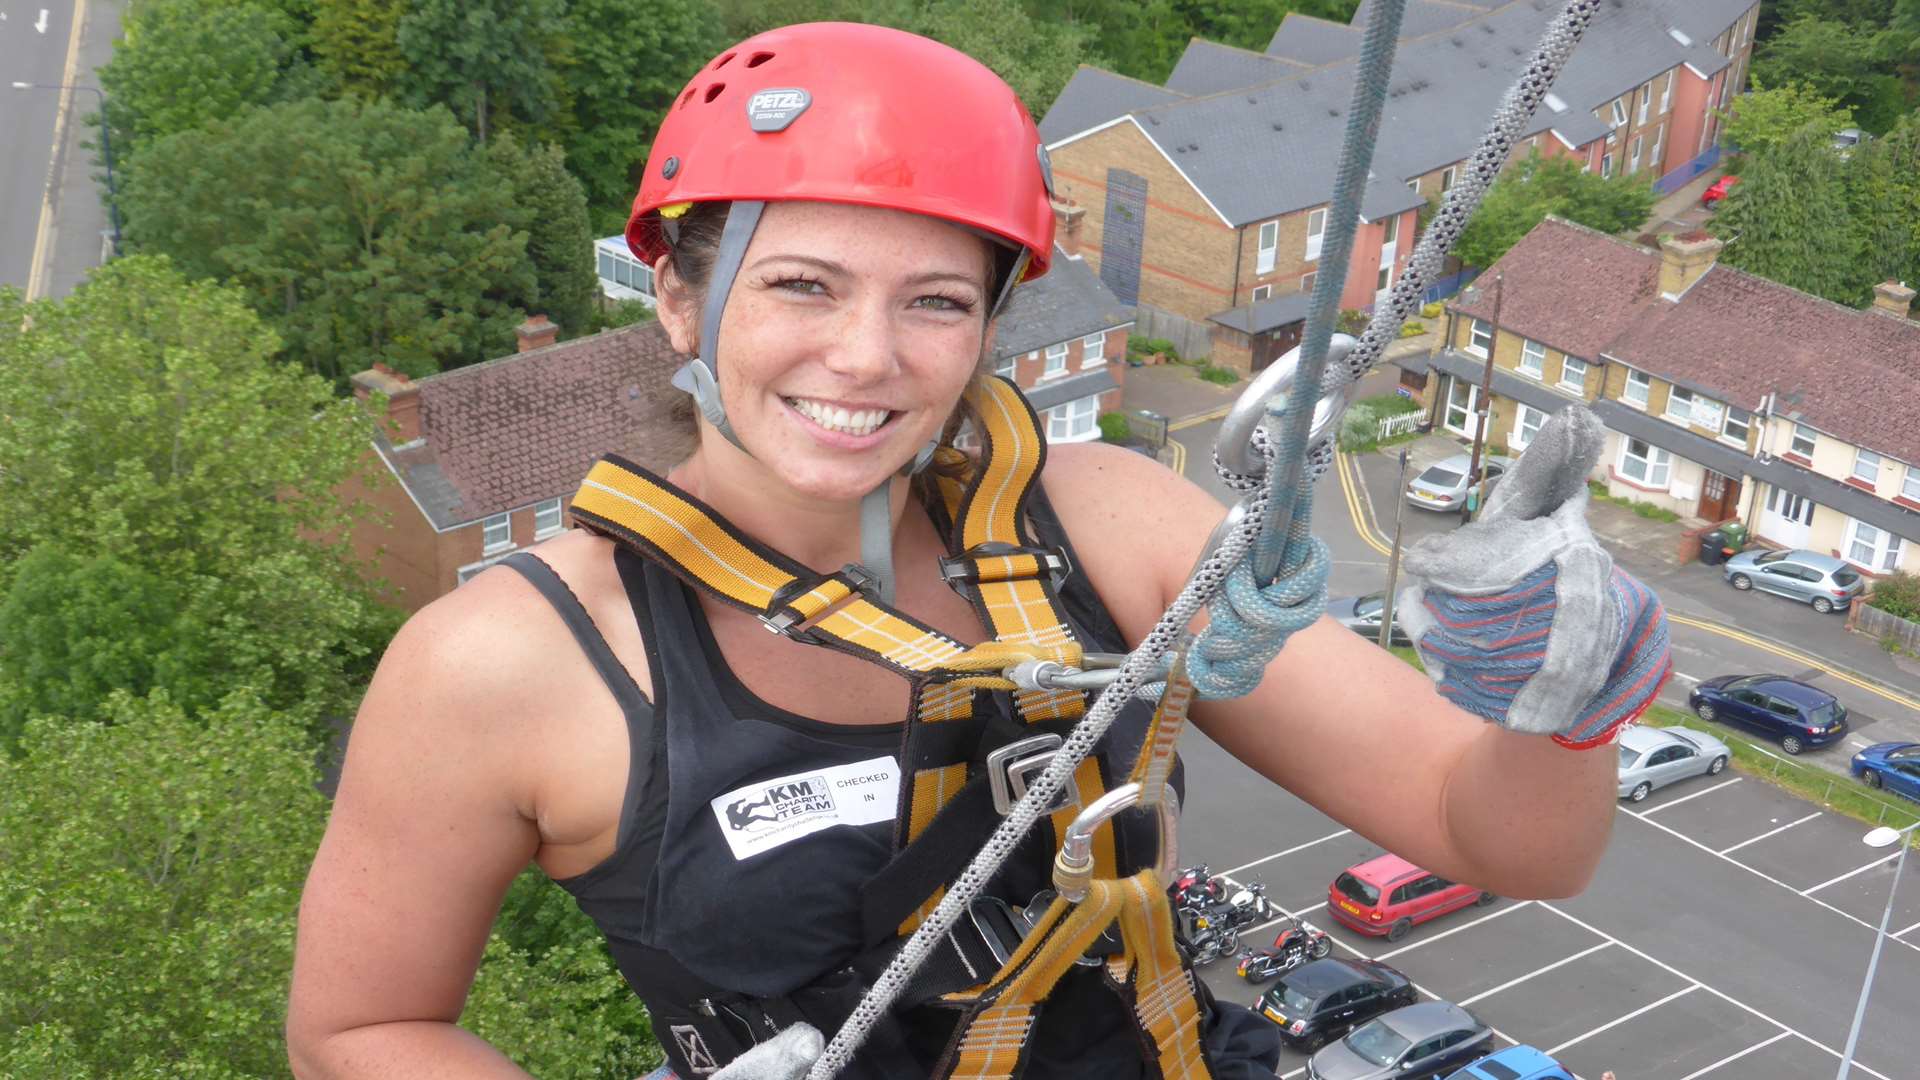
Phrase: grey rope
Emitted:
{"points": [[1496, 144]]}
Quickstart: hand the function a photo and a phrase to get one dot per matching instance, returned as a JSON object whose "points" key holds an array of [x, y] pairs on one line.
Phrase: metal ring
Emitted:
{"points": [[1234, 445]]}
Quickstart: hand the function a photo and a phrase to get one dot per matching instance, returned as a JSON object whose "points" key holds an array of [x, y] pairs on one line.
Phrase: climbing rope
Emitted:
{"points": [[1300, 552]]}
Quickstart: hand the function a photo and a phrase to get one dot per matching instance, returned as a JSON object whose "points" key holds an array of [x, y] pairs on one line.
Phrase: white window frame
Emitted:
{"points": [[1606, 165], [1316, 233], [1812, 437], [1684, 416], [1873, 461], [1666, 93], [1473, 337], [1656, 464], [1056, 362], [1413, 185], [1523, 432], [1007, 365], [1645, 94], [1384, 279], [1093, 350], [1074, 421], [1645, 384], [1446, 179], [1727, 425], [557, 519], [1633, 155], [1390, 230], [492, 525], [1307, 279], [1910, 484], [1261, 292], [1883, 548], [620, 270], [1659, 140], [1267, 247], [1618, 114], [1537, 353], [1578, 386]]}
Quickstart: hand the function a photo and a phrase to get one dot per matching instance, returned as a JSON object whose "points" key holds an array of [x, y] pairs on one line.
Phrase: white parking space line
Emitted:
{"points": [[1897, 933], [1721, 994], [1454, 930], [1289, 851], [1694, 1075], [1695, 795], [1771, 832], [1511, 983], [1859, 742], [1618, 1020], [1850, 873], [1296, 914], [1687, 677]]}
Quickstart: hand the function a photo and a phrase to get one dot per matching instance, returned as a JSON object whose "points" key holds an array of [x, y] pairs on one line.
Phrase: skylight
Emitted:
{"points": [[1680, 36], [1554, 102]]}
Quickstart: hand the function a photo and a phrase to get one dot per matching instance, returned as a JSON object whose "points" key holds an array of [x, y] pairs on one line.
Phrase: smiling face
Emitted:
{"points": [[847, 340]]}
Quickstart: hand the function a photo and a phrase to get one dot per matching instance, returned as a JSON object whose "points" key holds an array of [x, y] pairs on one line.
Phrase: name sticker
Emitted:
{"points": [[761, 816]]}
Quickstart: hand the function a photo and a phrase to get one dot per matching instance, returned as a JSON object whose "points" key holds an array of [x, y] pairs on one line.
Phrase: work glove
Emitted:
{"points": [[1522, 618], [786, 1056]]}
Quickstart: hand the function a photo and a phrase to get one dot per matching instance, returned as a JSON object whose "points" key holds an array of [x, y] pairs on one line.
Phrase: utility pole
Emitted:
{"points": [[1393, 560], [1474, 490]]}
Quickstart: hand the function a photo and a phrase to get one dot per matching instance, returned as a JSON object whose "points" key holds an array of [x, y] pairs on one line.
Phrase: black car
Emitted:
{"points": [[1323, 999], [1788, 710], [1361, 614]]}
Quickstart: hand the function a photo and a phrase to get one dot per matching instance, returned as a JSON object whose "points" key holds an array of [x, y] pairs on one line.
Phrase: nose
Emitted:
{"points": [[866, 343]]}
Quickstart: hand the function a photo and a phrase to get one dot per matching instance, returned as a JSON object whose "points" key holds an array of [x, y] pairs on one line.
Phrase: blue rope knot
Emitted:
{"points": [[1249, 624]]}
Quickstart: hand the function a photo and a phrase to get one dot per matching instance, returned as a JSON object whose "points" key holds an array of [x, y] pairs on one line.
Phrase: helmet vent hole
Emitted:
{"points": [[714, 91], [722, 62], [759, 58], [688, 96]]}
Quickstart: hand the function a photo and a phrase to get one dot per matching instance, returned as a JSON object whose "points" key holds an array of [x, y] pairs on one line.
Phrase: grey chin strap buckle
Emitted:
{"points": [[696, 378], [1013, 768]]}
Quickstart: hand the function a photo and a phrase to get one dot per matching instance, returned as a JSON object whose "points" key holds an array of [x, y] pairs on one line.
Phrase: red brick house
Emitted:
{"points": [[1063, 340]]}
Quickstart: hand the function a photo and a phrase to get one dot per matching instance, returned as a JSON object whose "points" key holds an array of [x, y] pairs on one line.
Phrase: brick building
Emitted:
{"points": [[1063, 340]]}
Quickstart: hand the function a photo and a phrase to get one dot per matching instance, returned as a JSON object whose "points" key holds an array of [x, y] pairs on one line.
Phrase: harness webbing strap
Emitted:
{"points": [[1164, 1002]]}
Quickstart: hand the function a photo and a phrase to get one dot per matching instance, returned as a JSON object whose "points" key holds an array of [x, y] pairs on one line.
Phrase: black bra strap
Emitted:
{"points": [[574, 614]]}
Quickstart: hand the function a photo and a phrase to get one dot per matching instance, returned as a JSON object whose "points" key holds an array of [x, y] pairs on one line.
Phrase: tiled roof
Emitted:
{"points": [[1313, 41], [1208, 67], [524, 428], [1264, 315], [1092, 97], [1069, 302], [1566, 286]]}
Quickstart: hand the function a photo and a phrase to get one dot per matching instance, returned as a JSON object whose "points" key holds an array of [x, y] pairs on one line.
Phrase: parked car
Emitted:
{"points": [[1415, 1041], [1361, 614], [1846, 139], [1324, 999], [1653, 757], [1797, 715], [1443, 485], [1388, 896], [1719, 190], [1894, 766], [1821, 581], [1515, 1063]]}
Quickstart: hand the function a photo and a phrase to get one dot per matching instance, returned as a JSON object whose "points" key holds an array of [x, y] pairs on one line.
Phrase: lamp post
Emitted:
{"points": [[106, 147], [1878, 838]]}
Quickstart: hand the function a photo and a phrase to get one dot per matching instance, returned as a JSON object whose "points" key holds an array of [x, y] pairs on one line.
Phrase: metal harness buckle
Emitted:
{"points": [[960, 569], [1012, 769], [783, 618]]}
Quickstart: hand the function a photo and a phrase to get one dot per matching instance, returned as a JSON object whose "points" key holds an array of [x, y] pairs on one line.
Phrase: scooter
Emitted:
{"points": [[1296, 943]]}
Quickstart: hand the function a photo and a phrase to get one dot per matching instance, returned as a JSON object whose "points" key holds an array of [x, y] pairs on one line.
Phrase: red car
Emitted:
{"points": [[1719, 189], [1387, 896]]}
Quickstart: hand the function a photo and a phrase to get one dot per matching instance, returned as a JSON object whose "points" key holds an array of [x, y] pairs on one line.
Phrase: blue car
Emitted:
{"points": [[1787, 710], [1514, 1063], [1894, 766]]}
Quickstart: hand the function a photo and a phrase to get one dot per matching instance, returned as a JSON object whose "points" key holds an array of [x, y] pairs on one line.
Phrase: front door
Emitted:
{"points": [[1389, 250], [1719, 498], [1462, 397], [1787, 519]]}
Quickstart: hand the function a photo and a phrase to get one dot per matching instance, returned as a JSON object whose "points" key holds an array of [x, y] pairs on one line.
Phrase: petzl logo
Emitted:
{"points": [[773, 110], [782, 802]]}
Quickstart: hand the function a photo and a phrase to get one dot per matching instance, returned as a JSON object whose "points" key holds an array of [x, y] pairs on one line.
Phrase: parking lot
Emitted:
{"points": [[1725, 935]]}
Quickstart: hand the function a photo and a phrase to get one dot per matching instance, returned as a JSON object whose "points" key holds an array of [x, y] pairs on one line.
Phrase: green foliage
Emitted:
{"points": [[1115, 428], [1883, 195], [567, 1014], [1385, 405], [357, 43], [1790, 221], [1145, 38], [359, 231], [612, 316], [1352, 321], [1850, 61], [479, 57], [1433, 310], [1035, 57], [1525, 194], [1359, 428], [1763, 118], [550, 207], [1147, 346], [1897, 594], [1412, 328], [1218, 375]]}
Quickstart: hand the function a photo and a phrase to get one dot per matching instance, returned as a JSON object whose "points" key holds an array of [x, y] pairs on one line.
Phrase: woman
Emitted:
{"points": [[537, 715]]}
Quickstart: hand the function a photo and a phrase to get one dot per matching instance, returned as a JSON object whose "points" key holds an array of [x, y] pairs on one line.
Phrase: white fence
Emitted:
{"points": [[1399, 425]]}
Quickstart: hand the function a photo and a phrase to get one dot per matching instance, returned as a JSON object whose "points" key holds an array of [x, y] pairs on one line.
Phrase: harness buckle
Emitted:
{"points": [[780, 616], [964, 568], [1012, 768]]}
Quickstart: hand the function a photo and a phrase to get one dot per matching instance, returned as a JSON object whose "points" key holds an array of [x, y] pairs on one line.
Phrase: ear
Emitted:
{"points": [[678, 310]]}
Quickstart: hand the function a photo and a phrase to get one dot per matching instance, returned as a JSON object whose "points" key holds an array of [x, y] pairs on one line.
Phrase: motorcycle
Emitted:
{"points": [[1196, 887], [1253, 899], [1207, 935], [1295, 944]]}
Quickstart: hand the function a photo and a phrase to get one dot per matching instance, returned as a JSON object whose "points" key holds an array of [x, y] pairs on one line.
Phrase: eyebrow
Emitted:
{"points": [[832, 267]]}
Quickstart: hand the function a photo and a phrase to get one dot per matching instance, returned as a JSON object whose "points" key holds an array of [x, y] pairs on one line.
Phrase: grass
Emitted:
{"points": [[1640, 507], [1220, 375]]}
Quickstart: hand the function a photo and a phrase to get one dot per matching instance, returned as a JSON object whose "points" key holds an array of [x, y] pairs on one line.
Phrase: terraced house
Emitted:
{"points": [[1726, 396], [1205, 199]]}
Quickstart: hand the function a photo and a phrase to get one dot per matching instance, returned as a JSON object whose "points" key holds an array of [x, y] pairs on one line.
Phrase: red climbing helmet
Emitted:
{"points": [[850, 113]]}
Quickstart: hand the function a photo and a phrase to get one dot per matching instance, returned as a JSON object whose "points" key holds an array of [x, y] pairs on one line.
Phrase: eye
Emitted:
{"points": [[946, 302], [798, 283]]}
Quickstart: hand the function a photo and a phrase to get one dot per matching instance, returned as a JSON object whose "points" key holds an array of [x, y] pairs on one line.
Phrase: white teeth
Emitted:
{"points": [[834, 418]]}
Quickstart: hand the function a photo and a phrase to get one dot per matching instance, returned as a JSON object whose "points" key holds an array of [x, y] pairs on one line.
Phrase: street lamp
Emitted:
{"points": [[1884, 836], [106, 147]]}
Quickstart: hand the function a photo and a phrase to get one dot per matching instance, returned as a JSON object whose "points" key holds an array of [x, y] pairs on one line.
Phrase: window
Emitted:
{"points": [[1573, 375], [1803, 440], [1873, 549], [547, 519], [1261, 292], [1074, 420], [617, 268], [1739, 422], [1645, 464], [1316, 230], [1866, 467], [1413, 185], [1526, 425], [1533, 359], [1093, 350], [1005, 365], [1307, 280], [1639, 385], [1391, 233], [496, 534], [1619, 112], [1633, 155], [1056, 361], [1646, 100], [1606, 165], [1479, 337], [1666, 93], [1653, 155], [1910, 487], [1680, 405], [1269, 243], [1446, 179], [1384, 279], [1796, 508]]}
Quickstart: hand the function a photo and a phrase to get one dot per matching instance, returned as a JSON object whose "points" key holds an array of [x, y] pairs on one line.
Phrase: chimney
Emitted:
{"points": [[1067, 216], [403, 400], [536, 333], [1685, 260], [1893, 298]]}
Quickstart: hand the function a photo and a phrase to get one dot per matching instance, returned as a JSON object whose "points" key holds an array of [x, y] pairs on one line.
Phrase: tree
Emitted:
{"points": [[1883, 184], [357, 42], [1788, 220], [550, 207], [466, 53], [359, 231], [167, 505], [1849, 62], [1764, 117], [1034, 57], [1529, 191]]}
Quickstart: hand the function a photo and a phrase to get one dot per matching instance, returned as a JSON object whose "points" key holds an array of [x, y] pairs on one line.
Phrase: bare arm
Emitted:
{"points": [[1341, 723]]}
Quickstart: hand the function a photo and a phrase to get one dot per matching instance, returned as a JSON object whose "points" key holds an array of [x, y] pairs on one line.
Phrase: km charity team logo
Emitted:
{"points": [[781, 802], [767, 813]]}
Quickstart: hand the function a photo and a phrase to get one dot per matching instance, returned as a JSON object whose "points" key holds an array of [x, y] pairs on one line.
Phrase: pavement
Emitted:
{"points": [[1681, 212]]}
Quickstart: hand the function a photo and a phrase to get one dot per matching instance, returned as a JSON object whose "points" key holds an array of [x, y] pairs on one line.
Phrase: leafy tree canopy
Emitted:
{"points": [[1530, 190], [357, 42], [479, 56], [1765, 117], [1850, 62], [1788, 219], [1883, 185], [549, 206]]}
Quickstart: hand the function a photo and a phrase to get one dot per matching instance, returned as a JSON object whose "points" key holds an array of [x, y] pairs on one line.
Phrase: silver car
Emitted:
{"points": [[1652, 757], [1443, 484], [1820, 581], [1431, 1038]]}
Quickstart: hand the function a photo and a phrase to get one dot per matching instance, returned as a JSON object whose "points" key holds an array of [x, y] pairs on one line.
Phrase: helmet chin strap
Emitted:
{"points": [[699, 377]]}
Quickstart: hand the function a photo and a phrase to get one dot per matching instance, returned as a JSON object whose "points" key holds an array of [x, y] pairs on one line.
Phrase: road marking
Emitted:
{"points": [[1197, 419], [1179, 463], [1721, 994], [1735, 1057], [1296, 914], [1454, 930], [1797, 657], [1850, 873], [1897, 933], [1360, 527], [1511, 983], [1695, 795], [1687, 677], [1617, 1021], [40, 24], [1289, 851], [1770, 832], [45, 225]]}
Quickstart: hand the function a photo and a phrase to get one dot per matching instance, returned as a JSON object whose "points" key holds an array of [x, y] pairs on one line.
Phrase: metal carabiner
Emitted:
{"points": [[1095, 672], [1073, 868], [1234, 445]]}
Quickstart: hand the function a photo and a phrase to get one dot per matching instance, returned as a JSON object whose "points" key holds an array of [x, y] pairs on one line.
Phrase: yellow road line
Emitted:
{"points": [[1354, 502], [1179, 456], [1797, 657], [1197, 419]]}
